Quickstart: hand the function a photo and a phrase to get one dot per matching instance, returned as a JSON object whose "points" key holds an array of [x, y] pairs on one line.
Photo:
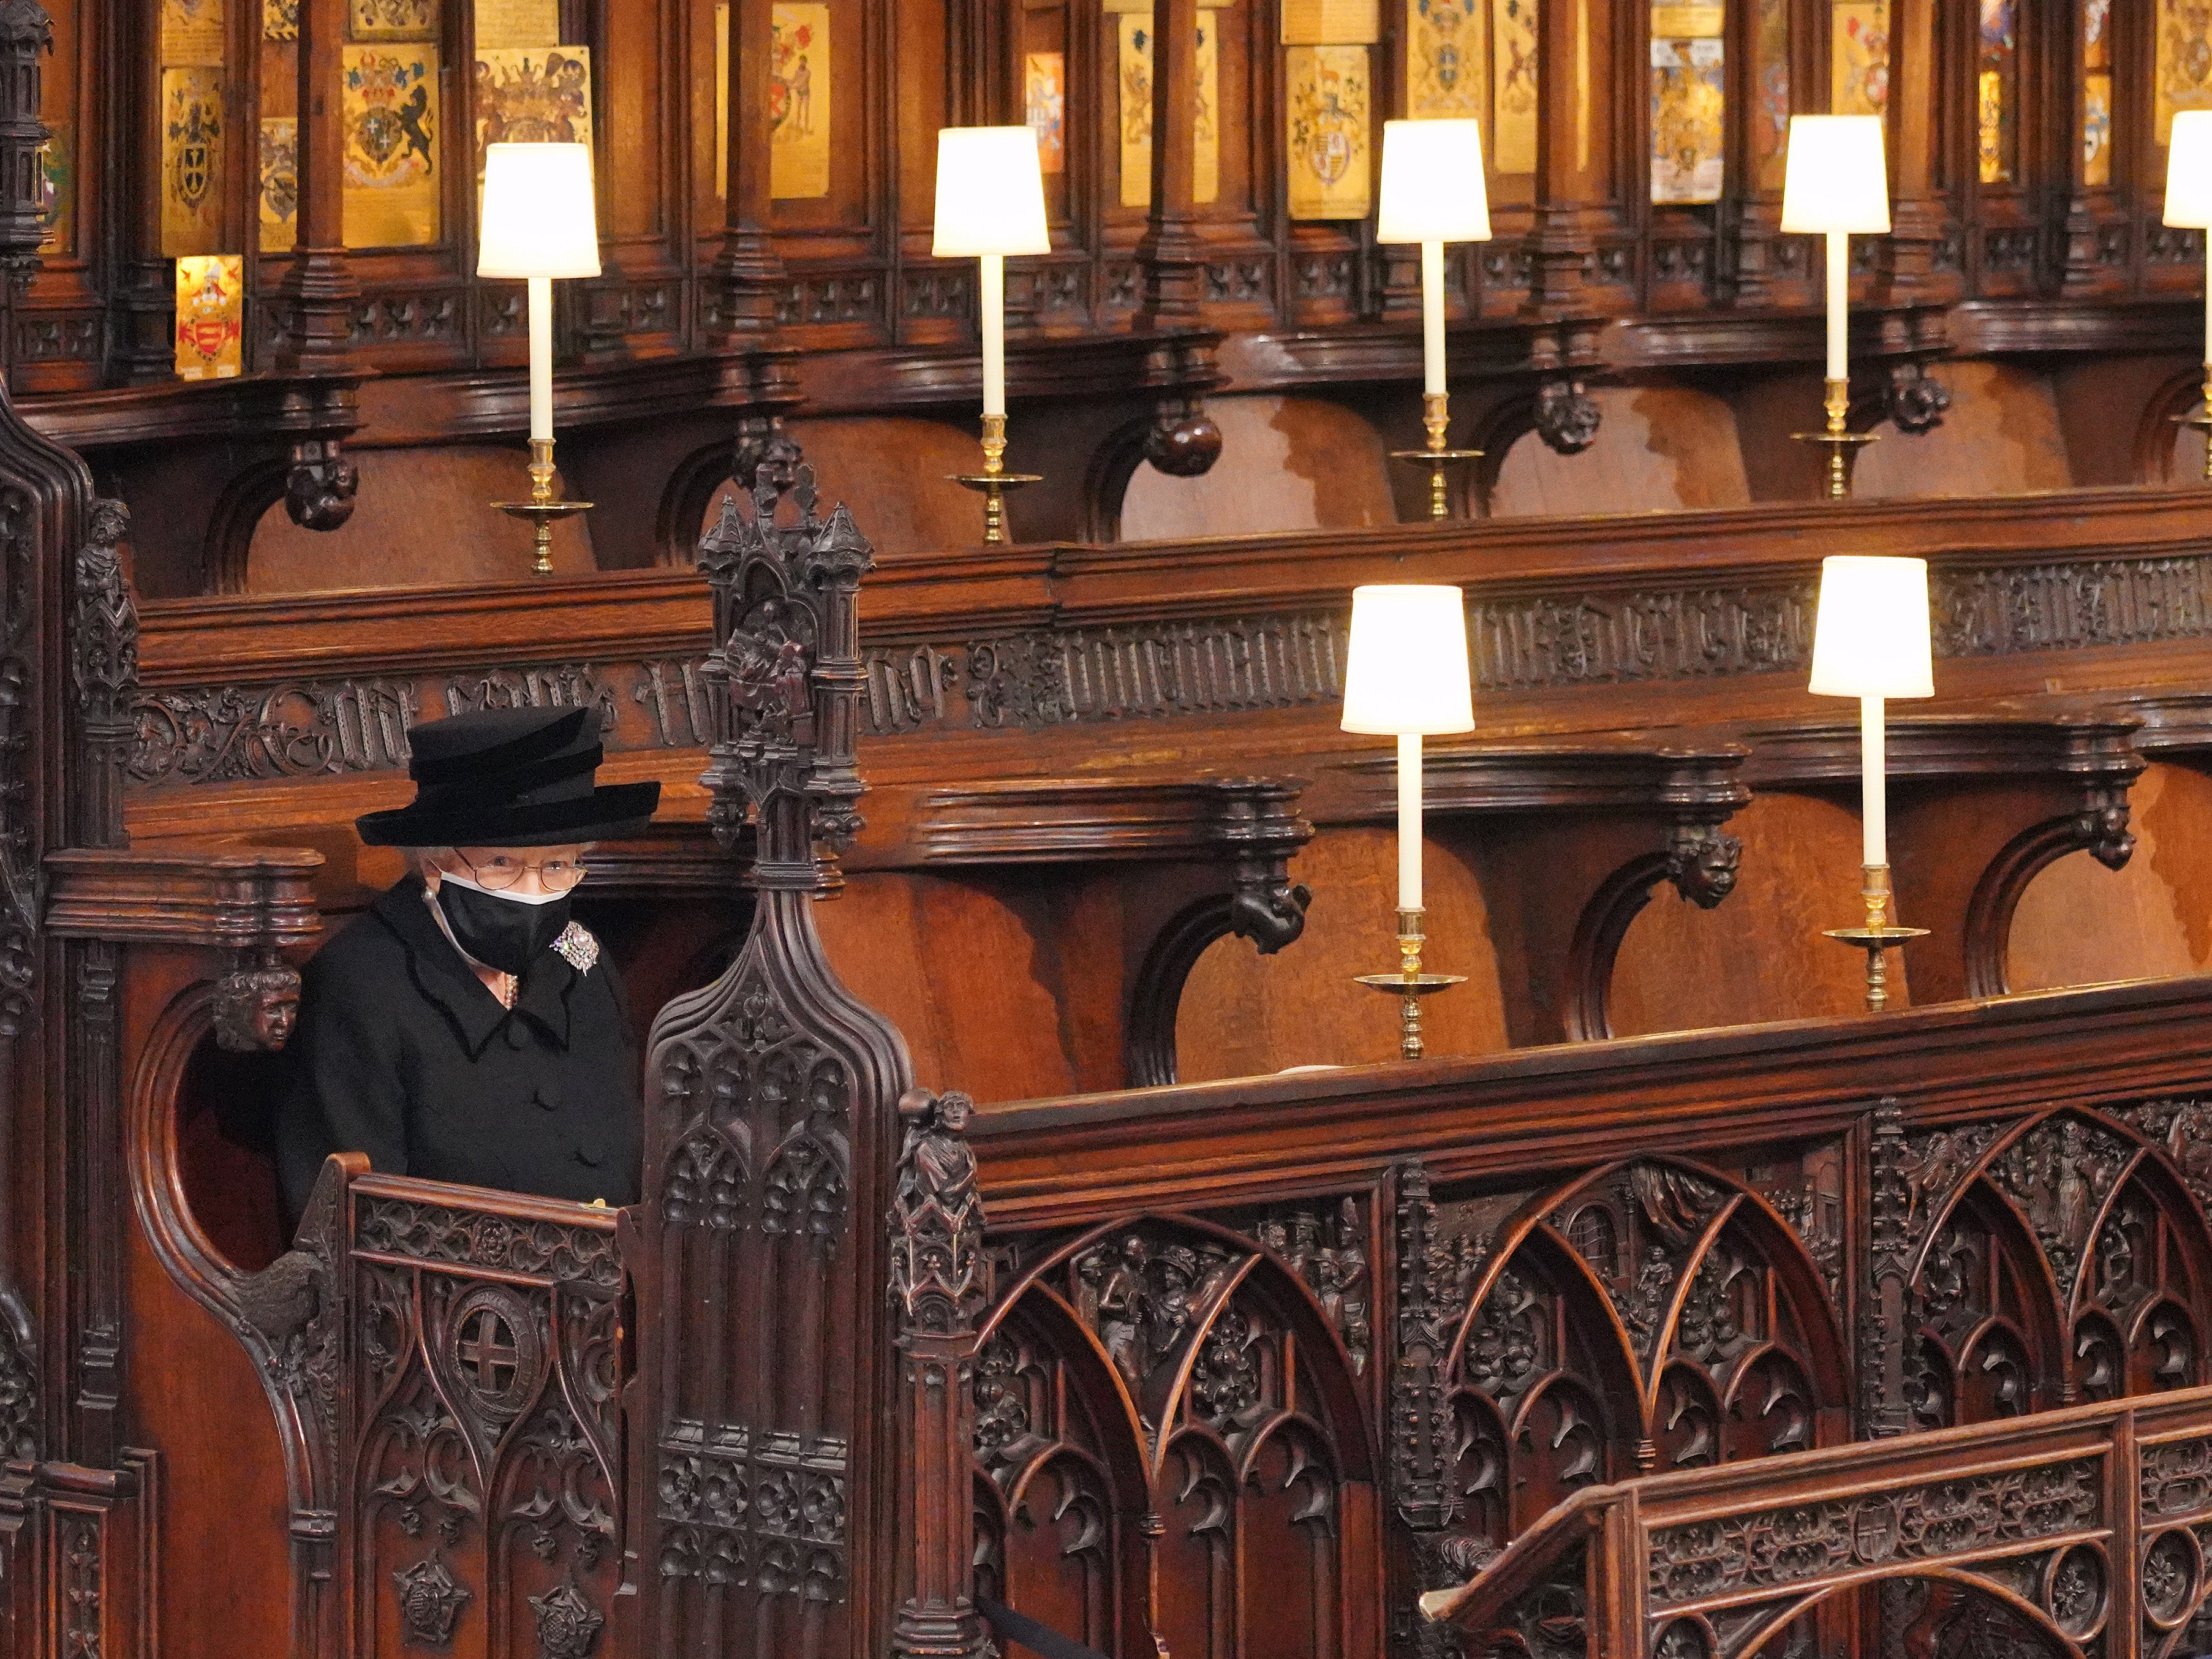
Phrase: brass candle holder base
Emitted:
{"points": [[994, 481], [1843, 445], [542, 511], [2202, 417], [1876, 937], [1409, 984], [1439, 460]]}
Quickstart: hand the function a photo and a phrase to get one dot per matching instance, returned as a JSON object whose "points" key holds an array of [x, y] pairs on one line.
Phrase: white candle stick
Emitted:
{"points": [[1839, 304], [1432, 318], [1873, 780], [541, 360], [993, 284], [1409, 821]]}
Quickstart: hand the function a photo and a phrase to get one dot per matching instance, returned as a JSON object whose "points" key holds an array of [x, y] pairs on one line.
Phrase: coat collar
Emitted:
{"points": [[447, 983]]}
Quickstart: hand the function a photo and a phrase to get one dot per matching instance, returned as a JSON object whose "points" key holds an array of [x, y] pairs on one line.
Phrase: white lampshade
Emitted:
{"points": [[1406, 671], [990, 193], [1871, 638], [1836, 177], [2189, 171], [1432, 188], [540, 218]]}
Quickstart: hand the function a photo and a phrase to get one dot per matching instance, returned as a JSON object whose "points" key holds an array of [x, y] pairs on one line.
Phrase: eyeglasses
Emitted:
{"points": [[496, 872]]}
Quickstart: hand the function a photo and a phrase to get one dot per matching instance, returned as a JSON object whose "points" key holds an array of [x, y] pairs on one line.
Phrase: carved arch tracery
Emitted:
{"points": [[1672, 1298], [1164, 1365], [2061, 1257]]}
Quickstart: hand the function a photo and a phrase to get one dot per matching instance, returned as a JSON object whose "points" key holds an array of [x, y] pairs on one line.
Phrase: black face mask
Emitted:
{"points": [[498, 929]]}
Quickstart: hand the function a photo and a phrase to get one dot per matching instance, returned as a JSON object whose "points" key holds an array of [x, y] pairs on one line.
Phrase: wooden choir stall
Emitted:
{"points": [[1042, 1248], [1834, 1336]]}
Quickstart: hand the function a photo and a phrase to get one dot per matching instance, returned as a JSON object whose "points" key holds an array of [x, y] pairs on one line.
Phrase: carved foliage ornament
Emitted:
{"points": [[1774, 1548]]}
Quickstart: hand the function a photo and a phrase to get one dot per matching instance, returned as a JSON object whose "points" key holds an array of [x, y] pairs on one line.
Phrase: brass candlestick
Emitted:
{"points": [[1843, 445], [1877, 936], [2202, 416], [1410, 984], [994, 481], [542, 510], [1435, 417]]}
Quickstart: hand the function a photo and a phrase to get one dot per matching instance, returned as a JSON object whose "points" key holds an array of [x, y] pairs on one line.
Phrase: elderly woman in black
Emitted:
{"points": [[465, 1028]]}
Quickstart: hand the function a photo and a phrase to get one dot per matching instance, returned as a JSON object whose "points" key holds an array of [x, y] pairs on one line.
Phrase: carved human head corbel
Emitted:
{"points": [[256, 1008]]}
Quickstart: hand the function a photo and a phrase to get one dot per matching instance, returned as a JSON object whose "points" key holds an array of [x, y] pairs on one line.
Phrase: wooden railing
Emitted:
{"points": [[2069, 1532]]}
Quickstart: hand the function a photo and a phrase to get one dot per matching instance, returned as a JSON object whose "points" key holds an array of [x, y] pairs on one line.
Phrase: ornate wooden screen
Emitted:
{"points": [[482, 1500], [1268, 1427]]}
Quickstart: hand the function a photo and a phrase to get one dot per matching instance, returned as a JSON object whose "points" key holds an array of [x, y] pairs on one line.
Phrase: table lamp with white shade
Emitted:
{"points": [[2188, 207], [1870, 640], [540, 221], [990, 202], [1406, 676], [1836, 182], [1434, 193]]}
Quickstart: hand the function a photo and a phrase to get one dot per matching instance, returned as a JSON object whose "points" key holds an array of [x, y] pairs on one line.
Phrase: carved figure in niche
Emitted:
{"points": [[465, 1028], [2189, 1140], [2073, 1188], [1169, 1314], [1112, 1298], [1932, 1172], [768, 669], [105, 636], [255, 1010], [937, 1217], [1647, 1302]]}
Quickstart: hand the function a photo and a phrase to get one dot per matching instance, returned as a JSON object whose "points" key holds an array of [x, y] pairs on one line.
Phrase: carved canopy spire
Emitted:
{"points": [[786, 675]]}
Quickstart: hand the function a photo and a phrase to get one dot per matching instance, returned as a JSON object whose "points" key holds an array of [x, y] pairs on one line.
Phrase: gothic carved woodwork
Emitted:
{"points": [[104, 672], [937, 1290], [27, 35], [481, 1496], [2053, 1259], [771, 1143], [1163, 1411]]}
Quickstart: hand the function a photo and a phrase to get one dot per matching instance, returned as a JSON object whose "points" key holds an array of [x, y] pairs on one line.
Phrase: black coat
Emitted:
{"points": [[402, 1054]]}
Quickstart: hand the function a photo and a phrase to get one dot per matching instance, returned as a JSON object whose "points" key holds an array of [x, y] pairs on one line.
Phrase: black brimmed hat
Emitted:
{"points": [[510, 777]]}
